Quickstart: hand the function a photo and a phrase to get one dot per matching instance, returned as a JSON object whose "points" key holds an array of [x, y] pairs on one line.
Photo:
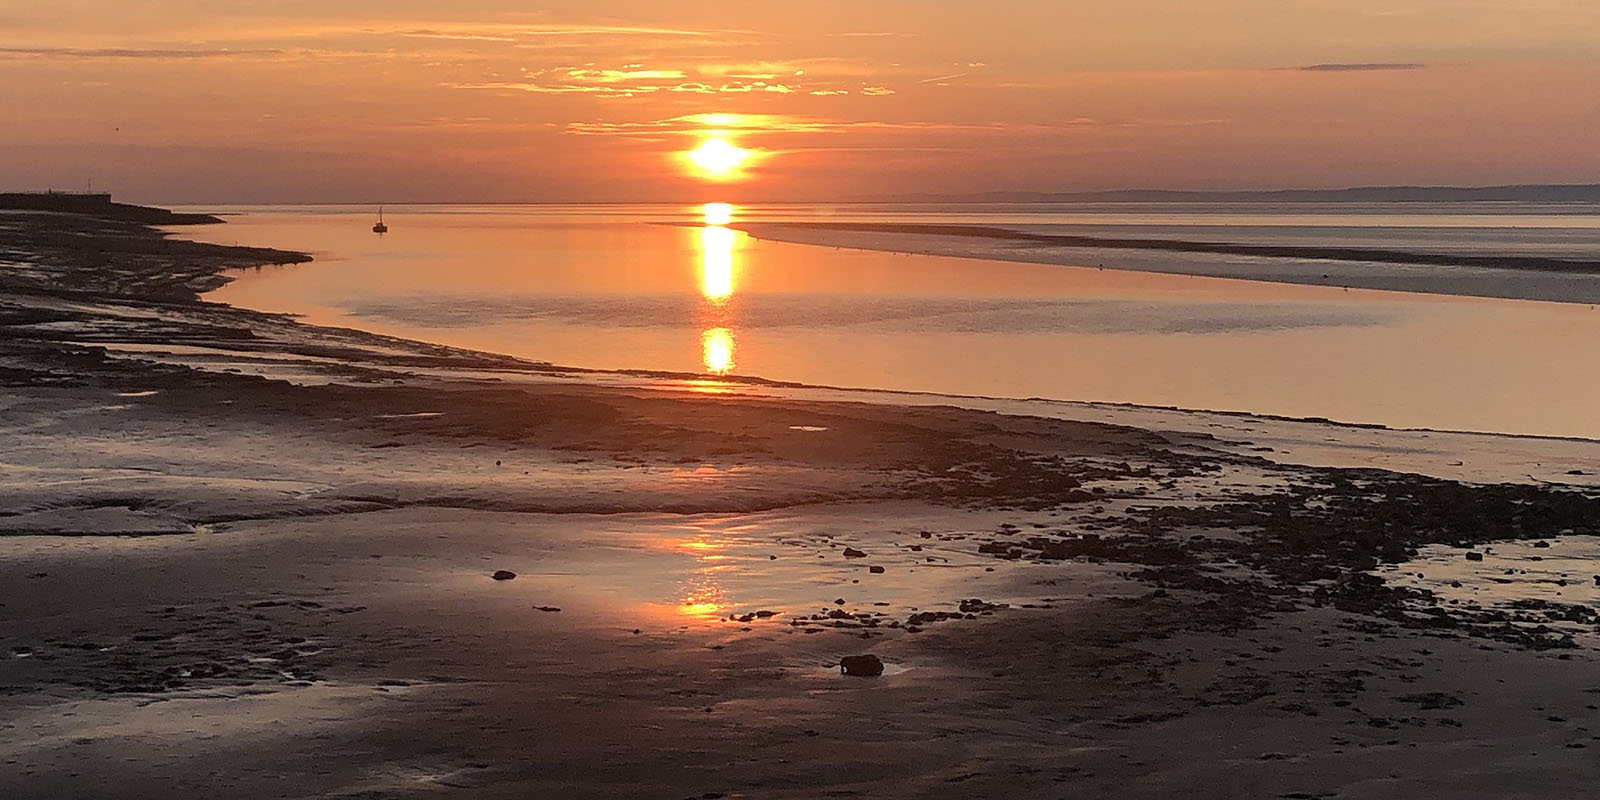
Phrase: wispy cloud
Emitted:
{"points": [[698, 124], [513, 31], [621, 88], [126, 52], [717, 77], [1360, 67]]}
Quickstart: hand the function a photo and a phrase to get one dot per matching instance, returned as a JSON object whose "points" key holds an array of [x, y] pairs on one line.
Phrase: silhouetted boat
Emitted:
{"points": [[380, 227]]}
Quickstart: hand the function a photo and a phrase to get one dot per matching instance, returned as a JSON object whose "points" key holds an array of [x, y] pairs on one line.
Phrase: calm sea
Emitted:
{"points": [[606, 287]]}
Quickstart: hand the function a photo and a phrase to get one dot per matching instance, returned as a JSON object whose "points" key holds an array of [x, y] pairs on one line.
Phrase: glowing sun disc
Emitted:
{"points": [[717, 158]]}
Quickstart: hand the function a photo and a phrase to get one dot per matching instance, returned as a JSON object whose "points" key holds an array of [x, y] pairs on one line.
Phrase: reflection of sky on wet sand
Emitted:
{"points": [[705, 568], [710, 300], [1562, 571]]}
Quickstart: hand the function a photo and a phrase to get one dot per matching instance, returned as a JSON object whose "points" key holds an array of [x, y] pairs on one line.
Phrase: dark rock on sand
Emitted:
{"points": [[1431, 701], [1473, 555], [851, 552], [875, 569], [503, 575], [866, 666]]}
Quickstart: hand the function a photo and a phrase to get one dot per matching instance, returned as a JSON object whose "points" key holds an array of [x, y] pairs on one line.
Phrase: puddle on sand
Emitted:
{"points": [[1516, 577], [785, 570]]}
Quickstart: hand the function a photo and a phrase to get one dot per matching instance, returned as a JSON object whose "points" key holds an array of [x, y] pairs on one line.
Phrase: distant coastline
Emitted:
{"points": [[1516, 193], [100, 206]]}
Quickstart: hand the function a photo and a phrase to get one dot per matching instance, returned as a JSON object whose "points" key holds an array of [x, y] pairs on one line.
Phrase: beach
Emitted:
{"points": [[254, 557]]}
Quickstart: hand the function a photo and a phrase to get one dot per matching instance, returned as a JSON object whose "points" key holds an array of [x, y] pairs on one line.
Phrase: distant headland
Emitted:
{"points": [[99, 204]]}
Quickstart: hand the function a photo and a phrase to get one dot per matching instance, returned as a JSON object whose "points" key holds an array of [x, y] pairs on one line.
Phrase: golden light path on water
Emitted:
{"points": [[716, 263], [717, 246]]}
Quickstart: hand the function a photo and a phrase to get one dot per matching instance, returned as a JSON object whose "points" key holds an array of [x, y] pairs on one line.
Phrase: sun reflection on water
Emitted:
{"points": [[716, 347], [703, 595], [717, 213], [717, 246], [716, 263]]}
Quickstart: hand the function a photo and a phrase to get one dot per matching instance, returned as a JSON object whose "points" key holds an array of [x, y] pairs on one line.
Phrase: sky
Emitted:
{"points": [[191, 101]]}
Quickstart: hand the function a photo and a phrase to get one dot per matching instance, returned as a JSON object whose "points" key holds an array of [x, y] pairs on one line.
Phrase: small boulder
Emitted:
{"points": [[875, 569], [867, 666], [851, 552], [1473, 555], [503, 575]]}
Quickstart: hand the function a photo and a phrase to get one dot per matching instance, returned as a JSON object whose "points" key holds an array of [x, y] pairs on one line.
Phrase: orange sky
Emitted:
{"points": [[295, 100]]}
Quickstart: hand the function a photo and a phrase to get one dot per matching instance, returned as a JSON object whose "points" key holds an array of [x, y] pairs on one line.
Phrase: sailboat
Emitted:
{"points": [[380, 227]]}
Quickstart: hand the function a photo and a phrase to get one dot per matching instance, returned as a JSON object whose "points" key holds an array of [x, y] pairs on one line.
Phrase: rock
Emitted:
{"points": [[546, 608], [1541, 544], [765, 614], [876, 570], [1078, 496], [1473, 555], [503, 575], [867, 666], [851, 552]]}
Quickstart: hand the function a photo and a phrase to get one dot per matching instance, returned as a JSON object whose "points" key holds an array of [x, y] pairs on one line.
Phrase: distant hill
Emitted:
{"points": [[1531, 193], [99, 205]]}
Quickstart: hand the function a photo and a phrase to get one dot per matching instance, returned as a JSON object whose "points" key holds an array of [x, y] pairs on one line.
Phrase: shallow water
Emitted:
{"points": [[602, 287]]}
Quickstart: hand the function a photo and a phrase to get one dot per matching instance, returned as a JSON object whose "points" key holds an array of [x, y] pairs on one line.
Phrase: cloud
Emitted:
{"points": [[699, 124], [616, 87], [1360, 67], [123, 52], [638, 80]]}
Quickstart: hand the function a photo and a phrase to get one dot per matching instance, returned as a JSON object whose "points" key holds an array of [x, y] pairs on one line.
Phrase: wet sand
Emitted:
{"points": [[247, 557]]}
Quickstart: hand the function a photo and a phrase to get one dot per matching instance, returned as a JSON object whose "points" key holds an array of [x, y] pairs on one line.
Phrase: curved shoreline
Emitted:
{"points": [[335, 508], [1492, 277], [1358, 254]]}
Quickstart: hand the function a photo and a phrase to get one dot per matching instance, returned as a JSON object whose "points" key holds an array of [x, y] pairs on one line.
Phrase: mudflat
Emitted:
{"points": [[250, 557]]}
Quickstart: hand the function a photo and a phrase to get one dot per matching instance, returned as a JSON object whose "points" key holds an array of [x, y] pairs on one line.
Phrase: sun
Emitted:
{"points": [[718, 159]]}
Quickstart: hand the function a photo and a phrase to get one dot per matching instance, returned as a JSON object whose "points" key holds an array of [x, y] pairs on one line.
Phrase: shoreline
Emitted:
{"points": [[309, 610], [1311, 253], [1493, 277]]}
